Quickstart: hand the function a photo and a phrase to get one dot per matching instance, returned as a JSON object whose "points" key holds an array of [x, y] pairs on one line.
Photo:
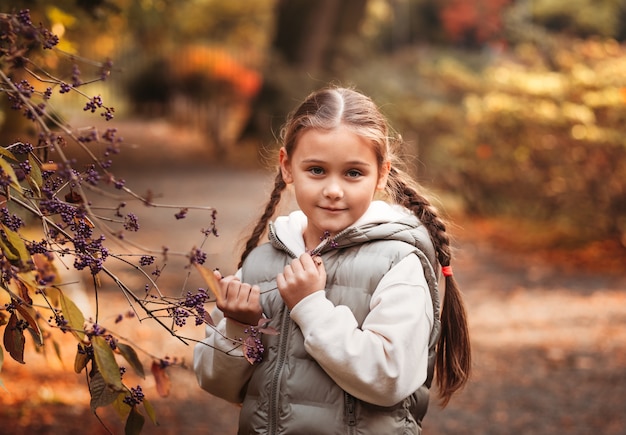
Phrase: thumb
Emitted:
{"points": [[217, 274]]}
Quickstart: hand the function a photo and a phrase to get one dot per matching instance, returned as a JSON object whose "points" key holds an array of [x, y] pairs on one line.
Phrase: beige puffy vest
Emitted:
{"points": [[289, 393]]}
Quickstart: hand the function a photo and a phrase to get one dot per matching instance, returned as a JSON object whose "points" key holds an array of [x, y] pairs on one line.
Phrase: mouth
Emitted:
{"points": [[333, 209]]}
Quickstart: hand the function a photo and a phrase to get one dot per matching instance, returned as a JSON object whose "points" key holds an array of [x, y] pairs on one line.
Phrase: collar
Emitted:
{"points": [[289, 228]]}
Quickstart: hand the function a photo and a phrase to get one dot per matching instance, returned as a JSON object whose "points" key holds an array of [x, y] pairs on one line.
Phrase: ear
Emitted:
{"points": [[285, 166], [384, 175]]}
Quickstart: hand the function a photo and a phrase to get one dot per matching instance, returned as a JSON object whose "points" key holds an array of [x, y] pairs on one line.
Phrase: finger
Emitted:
{"points": [[231, 290], [280, 281], [244, 292], [296, 265], [288, 272], [254, 295], [309, 262]]}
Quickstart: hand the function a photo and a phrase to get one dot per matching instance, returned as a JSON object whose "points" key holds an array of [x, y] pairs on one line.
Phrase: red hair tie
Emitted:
{"points": [[446, 270]]}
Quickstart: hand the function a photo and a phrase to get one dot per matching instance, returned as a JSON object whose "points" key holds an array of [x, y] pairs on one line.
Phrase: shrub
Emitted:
{"points": [[53, 209]]}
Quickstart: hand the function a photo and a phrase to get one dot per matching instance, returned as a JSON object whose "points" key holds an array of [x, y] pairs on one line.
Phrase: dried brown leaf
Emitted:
{"points": [[163, 382]]}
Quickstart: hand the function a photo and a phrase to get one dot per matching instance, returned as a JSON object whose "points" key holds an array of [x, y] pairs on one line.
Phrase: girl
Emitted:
{"points": [[349, 283]]}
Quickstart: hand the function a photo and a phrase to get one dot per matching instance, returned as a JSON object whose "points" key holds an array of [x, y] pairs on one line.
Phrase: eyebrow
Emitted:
{"points": [[352, 162]]}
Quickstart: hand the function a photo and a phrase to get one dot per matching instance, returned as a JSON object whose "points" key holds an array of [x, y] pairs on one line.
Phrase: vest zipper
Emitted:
{"points": [[278, 244], [280, 362], [282, 348], [350, 411]]}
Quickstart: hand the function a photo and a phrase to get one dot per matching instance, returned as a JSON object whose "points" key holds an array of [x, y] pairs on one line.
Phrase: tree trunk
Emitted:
{"points": [[307, 41]]}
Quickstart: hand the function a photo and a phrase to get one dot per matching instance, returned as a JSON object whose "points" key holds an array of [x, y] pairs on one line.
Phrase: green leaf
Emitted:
{"points": [[14, 339], [134, 423], [16, 243], [131, 356], [150, 411], [73, 315], [105, 361], [101, 394], [8, 170]]}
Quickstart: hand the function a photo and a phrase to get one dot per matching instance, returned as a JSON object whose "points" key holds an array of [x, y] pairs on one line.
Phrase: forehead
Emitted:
{"points": [[338, 144]]}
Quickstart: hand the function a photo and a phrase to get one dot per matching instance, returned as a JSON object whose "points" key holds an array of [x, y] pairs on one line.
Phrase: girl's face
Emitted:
{"points": [[335, 175]]}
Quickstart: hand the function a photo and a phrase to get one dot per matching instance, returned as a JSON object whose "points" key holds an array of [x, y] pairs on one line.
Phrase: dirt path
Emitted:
{"points": [[549, 345]]}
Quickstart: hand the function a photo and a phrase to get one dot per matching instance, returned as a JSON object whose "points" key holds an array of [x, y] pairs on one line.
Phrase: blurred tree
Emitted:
{"points": [[80, 24], [308, 33], [581, 18], [309, 40]]}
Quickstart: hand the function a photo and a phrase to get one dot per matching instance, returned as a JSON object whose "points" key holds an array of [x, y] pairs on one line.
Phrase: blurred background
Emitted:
{"points": [[514, 115], [514, 108]]}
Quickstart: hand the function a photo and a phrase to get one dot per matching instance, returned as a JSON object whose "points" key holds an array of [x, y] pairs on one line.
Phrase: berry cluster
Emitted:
{"points": [[253, 346], [60, 321], [192, 305], [131, 223], [135, 398], [12, 222], [197, 256]]}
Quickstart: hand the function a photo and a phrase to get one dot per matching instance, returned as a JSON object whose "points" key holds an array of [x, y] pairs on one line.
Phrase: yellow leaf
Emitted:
{"points": [[15, 241], [35, 178], [210, 280], [6, 153], [122, 408], [150, 411], [81, 359], [8, 170], [7, 251], [73, 315]]}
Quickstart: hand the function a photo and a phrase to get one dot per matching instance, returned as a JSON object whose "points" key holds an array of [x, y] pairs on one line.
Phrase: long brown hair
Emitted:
{"points": [[326, 109]]}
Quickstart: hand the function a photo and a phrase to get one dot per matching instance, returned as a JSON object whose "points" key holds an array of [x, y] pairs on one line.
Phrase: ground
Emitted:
{"points": [[548, 327]]}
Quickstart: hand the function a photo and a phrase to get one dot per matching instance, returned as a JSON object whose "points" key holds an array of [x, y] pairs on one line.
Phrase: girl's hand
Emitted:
{"points": [[304, 276], [239, 301]]}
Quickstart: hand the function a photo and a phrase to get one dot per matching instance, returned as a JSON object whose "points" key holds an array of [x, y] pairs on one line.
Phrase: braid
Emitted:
{"points": [[453, 361], [270, 208]]}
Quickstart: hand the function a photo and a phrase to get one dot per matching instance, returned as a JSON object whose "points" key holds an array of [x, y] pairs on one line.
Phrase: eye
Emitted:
{"points": [[315, 170], [353, 173]]}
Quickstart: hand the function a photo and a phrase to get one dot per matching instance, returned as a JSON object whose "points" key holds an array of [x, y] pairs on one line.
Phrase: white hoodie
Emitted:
{"points": [[391, 344]]}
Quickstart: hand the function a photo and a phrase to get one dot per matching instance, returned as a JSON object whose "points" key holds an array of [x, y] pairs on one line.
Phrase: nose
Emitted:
{"points": [[333, 190]]}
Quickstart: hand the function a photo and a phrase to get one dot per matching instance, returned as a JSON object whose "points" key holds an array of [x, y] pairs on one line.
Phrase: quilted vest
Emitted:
{"points": [[289, 393]]}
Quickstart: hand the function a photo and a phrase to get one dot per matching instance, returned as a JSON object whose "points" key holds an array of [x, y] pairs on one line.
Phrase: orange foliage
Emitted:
{"points": [[219, 64], [480, 20]]}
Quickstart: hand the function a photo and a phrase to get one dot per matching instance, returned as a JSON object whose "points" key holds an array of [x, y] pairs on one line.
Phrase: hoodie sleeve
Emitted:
{"points": [[218, 360], [386, 359]]}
